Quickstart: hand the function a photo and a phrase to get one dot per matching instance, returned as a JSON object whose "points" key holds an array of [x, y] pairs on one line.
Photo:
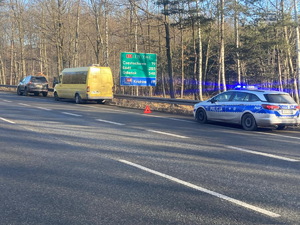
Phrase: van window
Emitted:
{"points": [[74, 77]]}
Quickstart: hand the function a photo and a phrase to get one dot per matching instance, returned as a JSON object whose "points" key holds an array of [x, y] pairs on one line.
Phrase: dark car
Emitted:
{"points": [[33, 84]]}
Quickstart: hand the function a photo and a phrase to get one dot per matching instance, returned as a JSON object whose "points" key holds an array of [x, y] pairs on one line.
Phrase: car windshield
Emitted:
{"points": [[280, 98], [38, 80]]}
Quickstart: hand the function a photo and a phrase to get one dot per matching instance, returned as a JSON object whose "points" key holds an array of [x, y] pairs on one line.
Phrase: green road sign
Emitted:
{"points": [[138, 69]]}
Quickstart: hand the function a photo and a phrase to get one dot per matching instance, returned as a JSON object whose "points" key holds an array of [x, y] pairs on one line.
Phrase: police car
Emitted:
{"points": [[251, 108]]}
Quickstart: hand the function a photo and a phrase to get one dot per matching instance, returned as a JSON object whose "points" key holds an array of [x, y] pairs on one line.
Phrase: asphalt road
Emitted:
{"points": [[63, 163]]}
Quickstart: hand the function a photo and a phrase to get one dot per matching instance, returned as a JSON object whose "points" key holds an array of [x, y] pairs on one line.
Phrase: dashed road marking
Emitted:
{"points": [[111, 122], [169, 134], [44, 108], [263, 154], [71, 114], [204, 190], [6, 120], [23, 104]]}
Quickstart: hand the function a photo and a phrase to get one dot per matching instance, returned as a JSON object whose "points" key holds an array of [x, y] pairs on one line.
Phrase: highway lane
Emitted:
{"points": [[140, 168]]}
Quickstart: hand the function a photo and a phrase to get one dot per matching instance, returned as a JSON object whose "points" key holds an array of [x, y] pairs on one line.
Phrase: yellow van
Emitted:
{"points": [[85, 83]]}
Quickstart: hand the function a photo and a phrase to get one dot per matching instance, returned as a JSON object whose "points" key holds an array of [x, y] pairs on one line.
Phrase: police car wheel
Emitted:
{"points": [[248, 122], [201, 116], [281, 127]]}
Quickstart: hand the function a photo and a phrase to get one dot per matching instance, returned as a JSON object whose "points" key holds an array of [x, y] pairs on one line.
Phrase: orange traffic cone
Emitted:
{"points": [[147, 110]]}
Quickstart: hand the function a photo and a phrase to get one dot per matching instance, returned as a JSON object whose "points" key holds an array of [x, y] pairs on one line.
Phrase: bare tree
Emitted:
{"points": [[76, 41], [297, 76], [222, 48], [168, 49], [237, 40]]}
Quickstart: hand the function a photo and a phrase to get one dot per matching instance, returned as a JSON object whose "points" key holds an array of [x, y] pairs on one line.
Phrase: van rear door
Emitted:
{"points": [[100, 83]]}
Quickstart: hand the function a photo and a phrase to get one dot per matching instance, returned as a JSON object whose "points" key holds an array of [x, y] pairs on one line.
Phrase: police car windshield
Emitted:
{"points": [[280, 98]]}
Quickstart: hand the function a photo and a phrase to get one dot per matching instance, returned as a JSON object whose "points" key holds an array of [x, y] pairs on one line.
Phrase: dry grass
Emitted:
{"points": [[154, 106]]}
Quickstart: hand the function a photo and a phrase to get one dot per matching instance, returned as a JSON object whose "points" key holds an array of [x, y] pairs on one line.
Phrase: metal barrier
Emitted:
{"points": [[140, 98]]}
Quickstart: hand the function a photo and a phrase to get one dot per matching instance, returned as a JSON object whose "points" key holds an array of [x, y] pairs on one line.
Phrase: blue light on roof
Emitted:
{"points": [[245, 87]]}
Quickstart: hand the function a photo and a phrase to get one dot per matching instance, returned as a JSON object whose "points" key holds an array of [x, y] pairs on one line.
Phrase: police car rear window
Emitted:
{"points": [[280, 98]]}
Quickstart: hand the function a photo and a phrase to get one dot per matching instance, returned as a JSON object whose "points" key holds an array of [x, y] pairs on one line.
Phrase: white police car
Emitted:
{"points": [[250, 108]]}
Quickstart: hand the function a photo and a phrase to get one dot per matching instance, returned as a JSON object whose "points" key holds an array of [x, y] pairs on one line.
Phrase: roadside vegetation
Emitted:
{"points": [[203, 46]]}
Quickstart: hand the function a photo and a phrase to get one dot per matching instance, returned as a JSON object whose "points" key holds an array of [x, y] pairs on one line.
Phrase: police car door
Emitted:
{"points": [[217, 109], [237, 106]]}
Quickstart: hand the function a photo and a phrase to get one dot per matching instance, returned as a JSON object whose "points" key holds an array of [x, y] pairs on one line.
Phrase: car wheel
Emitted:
{"points": [[281, 127], [78, 99], [45, 94], [36, 93], [201, 116], [19, 92], [248, 122], [56, 98], [25, 93]]}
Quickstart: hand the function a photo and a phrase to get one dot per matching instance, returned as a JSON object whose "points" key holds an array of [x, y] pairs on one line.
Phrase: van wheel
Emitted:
{"points": [[56, 98], [78, 99], [248, 122], [45, 94]]}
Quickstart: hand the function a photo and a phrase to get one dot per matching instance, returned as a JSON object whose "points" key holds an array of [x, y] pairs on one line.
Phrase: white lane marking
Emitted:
{"points": [[264, 154], [190, 185], [169, 134], [111, 122], [71, 114], [23, 104], [9, 121], [279, 135], [44, 108], [7, 101]]}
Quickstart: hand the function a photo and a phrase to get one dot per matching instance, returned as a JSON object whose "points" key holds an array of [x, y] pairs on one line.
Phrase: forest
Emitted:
{"points": [[203, 47]]}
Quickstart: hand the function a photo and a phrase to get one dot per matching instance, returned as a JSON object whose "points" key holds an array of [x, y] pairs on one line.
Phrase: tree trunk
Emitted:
{"points": [[168, 50], [222, 47], [76, 41], [182, 63], [106, 53], [200, 56], [237, 42], [297, 75]]}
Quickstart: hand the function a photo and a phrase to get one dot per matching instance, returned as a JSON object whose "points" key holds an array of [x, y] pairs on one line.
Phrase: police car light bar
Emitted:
{"points": [[245, 87]]}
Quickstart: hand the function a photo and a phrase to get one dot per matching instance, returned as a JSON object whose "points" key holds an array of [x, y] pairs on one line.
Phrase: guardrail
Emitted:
{"points": [[157, 99], [140, 98]]}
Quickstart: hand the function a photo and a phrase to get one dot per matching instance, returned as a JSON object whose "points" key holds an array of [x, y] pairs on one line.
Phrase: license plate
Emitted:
{"points": [[287, 112]]}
